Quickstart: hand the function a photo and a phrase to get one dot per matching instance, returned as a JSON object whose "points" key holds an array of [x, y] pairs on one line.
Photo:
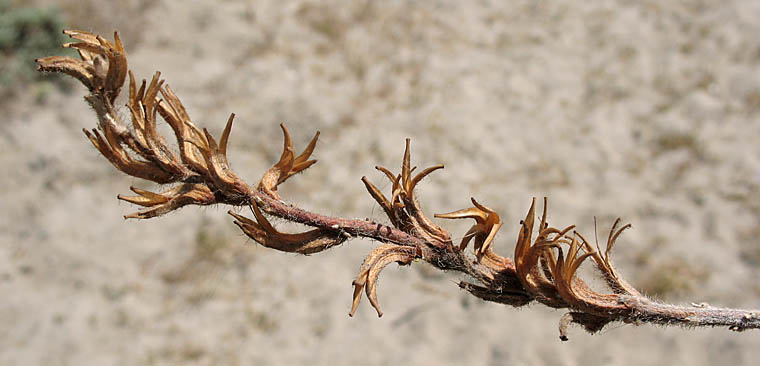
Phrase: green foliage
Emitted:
{"points": [[26, 33]]}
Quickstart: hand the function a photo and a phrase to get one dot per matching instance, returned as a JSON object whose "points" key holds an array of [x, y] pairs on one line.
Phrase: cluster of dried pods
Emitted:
{"points": [[544, 268]]}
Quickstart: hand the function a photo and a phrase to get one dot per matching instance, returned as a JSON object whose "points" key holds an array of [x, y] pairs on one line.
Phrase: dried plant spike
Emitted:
{"points": [[379, 198], [403, 208], [288, 165], [405, 166], [613, 237], [417, 178], [145, 198], [226, 135], [466, 213], [357, 296], [487, 224], [117, 71], [545, 267], [489, 239], [387, 173], [288, 153], [526, 233], [304, 157]]}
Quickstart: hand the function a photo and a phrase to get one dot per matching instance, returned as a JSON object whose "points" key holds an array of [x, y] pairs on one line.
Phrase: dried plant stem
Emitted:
{"points": [[339, 225], [546, 259], [697, 315]]}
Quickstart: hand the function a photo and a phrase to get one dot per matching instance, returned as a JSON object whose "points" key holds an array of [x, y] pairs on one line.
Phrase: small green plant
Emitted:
{"points": [[25, 34]]}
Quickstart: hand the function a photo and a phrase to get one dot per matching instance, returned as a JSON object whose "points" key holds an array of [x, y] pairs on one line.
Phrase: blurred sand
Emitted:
{"points": [[645, 110]]}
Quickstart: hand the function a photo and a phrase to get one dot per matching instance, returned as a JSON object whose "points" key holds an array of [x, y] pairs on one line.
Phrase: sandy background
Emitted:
{"points": [[645, 110]]}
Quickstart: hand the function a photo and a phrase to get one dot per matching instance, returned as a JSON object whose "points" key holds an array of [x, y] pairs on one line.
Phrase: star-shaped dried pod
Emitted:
{"points": [[110, 144], [189, 137], [145, 139], [409, 182], [487, 224], [162, 203], [264, 233], [403, 208], [371, 268], [577, 293], [534, 260], [103, 64], [215, 155], [551, 279], [565, 269], [611, 276], [394, 208], [141, 152], [288, 165], [404, 183]]}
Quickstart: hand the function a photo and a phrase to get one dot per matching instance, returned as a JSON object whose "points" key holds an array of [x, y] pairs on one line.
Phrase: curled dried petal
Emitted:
{"points": [[264, 233], [487, 224], [288, 165], [218, 166], [378, 259], [161, 203]]}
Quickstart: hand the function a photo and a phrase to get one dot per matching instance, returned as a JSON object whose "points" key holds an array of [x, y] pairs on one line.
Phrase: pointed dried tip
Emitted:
{"points": [[378, 196], [417, 178], [148, 194], [371, 290], [235, 215], [287, 158], [80, 35], [387, 173], [543, 215], [308, 151], [299, 167], [491, 236], [226, 135], [405, 166], [145, 198], [613, 237], [132, 87], [262, 220], [117, 41], [358, 286], [287, 140], [529, 219], [466, 213], [531, 211], [242, 220], [484, 208]]}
